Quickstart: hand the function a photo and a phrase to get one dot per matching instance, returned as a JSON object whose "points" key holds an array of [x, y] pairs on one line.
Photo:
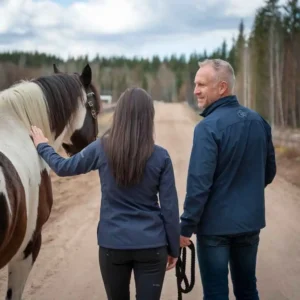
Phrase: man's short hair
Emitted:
{"points": [[223, 69]]}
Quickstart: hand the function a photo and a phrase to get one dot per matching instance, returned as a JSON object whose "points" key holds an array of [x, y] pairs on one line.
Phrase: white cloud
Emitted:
{"points": [[187, 43], [101, 16], [245, 8], [163, 46], [45, 14], [109, 16], [119, 27], [10, 13], [242, 8]]}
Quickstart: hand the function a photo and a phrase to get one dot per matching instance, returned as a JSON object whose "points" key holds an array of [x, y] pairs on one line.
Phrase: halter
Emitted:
{"points": [[90, 105]]}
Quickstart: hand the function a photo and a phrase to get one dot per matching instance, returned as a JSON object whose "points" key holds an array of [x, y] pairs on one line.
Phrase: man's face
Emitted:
{"points": [[206, 87]]}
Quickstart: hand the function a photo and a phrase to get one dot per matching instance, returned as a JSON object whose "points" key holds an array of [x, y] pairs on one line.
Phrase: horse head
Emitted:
{"points": [[83, 127]]}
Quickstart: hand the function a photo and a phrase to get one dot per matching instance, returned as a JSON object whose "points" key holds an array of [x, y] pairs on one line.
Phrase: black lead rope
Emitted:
{"points": [[181, 271]]}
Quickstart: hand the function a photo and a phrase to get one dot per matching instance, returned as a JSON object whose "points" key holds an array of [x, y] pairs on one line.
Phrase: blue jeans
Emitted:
{"points": [[215, 253]]}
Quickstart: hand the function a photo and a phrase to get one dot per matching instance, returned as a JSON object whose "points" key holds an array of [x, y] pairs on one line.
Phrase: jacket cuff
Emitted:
{"points": [[186, 230], [173, 252], [41, 145]]}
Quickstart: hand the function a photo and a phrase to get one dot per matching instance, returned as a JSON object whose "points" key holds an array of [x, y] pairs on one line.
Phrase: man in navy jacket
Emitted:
{"points": [[231, 163]]}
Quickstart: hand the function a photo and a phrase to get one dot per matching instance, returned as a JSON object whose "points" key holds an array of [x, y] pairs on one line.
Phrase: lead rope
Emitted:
{"points": [[181, 271]]}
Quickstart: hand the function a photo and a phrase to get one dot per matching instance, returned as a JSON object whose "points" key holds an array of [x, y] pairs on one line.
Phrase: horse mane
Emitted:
{"points": [[27, 102], [62, 94], [49, 102]]}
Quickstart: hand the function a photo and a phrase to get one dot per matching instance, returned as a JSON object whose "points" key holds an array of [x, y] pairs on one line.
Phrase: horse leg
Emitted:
{"points": [[18, 270]]}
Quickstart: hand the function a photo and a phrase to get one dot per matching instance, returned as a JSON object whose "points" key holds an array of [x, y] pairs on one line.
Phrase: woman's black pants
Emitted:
{"points": [[148, 266]]}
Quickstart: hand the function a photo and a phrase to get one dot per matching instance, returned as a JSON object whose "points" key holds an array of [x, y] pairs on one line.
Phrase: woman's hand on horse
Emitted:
{"points": [[171, 262], [37, 136]]}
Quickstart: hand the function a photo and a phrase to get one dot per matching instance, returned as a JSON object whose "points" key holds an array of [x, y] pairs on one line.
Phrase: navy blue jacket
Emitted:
{"points": [[130, 218], [231, 163]]}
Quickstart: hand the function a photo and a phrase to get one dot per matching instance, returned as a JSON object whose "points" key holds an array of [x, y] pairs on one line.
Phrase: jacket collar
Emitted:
{"points": [[224, 101]]}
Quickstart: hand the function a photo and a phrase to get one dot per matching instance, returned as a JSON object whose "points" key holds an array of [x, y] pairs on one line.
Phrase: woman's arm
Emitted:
{"points": [[83, 162], [169, 207], [88, 159]]}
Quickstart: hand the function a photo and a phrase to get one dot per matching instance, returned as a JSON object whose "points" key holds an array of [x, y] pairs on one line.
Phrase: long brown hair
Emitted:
{"points": [[129, 142]]}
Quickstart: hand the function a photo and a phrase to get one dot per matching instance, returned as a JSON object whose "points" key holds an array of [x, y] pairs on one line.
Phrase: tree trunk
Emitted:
{"points": [[271, 71], [278, 77]]}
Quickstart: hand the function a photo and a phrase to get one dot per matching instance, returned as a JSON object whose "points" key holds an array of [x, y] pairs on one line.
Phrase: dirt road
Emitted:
{"points": [[67, 267]]}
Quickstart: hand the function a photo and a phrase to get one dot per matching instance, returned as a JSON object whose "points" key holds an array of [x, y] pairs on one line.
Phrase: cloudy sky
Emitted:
{"points": [[121, 27]]}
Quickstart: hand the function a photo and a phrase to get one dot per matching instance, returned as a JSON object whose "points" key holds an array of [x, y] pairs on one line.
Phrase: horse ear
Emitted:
{"points": [[56, 70], [86, 75]]}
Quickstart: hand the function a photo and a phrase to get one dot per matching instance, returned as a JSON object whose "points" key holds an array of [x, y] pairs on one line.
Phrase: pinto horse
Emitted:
{"points": [[65, 107]]}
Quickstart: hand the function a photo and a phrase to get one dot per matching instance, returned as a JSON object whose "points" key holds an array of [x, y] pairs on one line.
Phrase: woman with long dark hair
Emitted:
{"points": [[139, 218]]}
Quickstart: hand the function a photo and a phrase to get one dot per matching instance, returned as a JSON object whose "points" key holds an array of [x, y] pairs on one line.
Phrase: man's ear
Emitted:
{"points": [[223, 86]]}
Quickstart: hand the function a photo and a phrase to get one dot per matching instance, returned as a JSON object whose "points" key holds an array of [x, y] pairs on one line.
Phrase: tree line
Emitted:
{"points": [[266, 63]]}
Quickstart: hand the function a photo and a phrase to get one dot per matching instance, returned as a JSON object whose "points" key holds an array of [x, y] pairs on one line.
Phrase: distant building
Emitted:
{"points": [[106, 98]]}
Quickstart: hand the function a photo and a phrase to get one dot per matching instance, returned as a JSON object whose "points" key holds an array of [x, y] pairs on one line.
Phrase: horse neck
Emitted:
{"points": [[26, 105]]}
